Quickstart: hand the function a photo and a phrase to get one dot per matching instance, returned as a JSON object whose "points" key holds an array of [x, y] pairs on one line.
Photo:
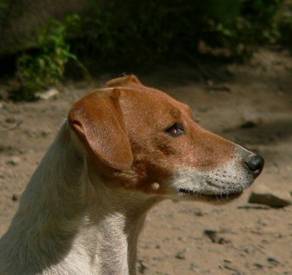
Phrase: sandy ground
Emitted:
{"points": [[249, 240]]}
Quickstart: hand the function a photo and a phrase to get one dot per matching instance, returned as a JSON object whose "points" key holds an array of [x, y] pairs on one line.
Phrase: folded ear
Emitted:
{"points": [[97, 120], [124, 81]]}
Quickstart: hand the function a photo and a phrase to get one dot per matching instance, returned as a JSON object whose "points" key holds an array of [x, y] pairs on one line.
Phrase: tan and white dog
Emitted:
{"points": [[122, 149]]}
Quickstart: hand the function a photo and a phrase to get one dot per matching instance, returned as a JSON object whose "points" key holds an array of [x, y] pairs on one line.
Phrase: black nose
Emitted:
{"points": [[255, 164]]}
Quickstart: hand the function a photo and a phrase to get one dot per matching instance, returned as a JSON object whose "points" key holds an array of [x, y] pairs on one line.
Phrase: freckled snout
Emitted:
{"points": [[254, 164]]}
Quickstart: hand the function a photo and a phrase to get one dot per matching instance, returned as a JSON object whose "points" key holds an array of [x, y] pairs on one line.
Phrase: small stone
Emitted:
{"points": [[263, 195], [198, 212], [155, 186], [141, 266], [10, 120], [258, 265], [181, 254], [13, 161], [234, 270], [45, 133], [251, 120], [193, 267], [210, 82], [273, 261], [214, 237], [248, 124], [14, 197], [51, 93]]}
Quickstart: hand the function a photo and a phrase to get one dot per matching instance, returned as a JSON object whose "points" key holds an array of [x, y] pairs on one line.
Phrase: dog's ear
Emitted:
{"points": [[124, 81], [97, 120]]}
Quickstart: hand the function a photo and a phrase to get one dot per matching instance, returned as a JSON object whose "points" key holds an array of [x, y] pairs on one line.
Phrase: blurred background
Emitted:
{"points": [[230, 60]]}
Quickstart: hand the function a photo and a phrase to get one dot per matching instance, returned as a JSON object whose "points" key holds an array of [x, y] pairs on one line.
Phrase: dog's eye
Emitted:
{"points": [[177, 129]]}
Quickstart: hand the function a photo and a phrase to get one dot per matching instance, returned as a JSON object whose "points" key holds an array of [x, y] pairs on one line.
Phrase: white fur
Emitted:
{"points": [[69, 222]]}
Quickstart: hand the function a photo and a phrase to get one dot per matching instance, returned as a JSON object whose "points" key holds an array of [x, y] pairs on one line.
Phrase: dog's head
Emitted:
{"points": [[143, 140]]}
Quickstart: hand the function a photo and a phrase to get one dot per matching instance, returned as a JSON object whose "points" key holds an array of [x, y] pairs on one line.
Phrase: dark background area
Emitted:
{"points": [[45, 42]]}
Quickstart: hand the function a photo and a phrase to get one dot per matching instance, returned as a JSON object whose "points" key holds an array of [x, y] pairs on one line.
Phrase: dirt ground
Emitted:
{"points": [[252, 106]]}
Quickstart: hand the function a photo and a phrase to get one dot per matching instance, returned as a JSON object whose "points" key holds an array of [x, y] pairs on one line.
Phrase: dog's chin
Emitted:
{"points": [[216, 198]]}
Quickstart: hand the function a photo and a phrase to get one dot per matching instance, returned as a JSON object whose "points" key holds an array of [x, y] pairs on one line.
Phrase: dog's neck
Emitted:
{"points": [[117, 221], [68, 223]]}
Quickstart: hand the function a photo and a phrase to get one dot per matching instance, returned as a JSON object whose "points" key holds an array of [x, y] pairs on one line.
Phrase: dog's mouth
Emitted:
{"points": [[224, 196]]}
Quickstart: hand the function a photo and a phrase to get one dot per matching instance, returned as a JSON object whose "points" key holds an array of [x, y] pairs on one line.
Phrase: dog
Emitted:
{"points": [[122, 149]]}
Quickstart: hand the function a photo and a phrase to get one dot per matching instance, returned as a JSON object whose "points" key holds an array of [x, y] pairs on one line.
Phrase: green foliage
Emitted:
{"points": [[253, 25], [284, 23], [130, 33], [140, 32], [285, 29], [4, 6], [38, 70]]}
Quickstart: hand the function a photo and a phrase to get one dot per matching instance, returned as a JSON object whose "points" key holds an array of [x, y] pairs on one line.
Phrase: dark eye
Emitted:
{"points": [[177, 129]]}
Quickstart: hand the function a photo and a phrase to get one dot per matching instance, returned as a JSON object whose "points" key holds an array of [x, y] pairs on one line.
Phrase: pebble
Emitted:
{"points": [[13, 161], [273, 261], [45, 133], [181, 255], [214, 237], [193, 267], [14, 197], [248, 125], [258, 265], [263, 195], [51, 93], [10, 120], [141, 266], [198, 213]]}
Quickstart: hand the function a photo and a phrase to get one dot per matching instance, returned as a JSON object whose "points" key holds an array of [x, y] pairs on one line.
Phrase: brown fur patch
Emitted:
{"points": [[143, 114]]}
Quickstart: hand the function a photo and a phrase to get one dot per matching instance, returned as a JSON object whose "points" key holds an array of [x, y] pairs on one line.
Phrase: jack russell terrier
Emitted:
{"points": [[122, 149]]}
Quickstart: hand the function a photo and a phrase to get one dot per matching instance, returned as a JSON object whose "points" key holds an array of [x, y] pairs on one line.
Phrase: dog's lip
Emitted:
{"points": [[221, 196]]}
